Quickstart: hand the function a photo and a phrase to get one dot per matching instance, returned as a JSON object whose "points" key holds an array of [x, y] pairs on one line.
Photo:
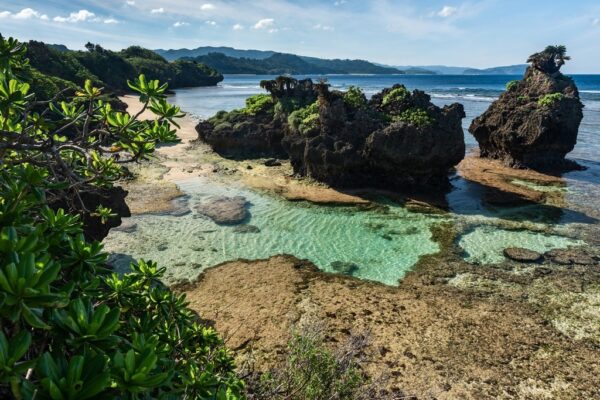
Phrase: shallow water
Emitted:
{"points": [[379, 244]]}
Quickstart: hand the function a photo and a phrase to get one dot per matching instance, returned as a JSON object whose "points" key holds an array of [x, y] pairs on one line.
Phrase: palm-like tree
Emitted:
{"points": [[550, 60]]}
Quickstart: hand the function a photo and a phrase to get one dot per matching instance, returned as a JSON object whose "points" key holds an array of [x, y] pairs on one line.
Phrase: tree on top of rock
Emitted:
{"points": [[550, 60]]}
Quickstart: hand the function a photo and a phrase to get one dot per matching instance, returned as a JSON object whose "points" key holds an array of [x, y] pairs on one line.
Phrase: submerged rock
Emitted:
{"points": [[224, 210], [522, 255], [246, 229], [535, 122], [346, 268], [574, 256]]}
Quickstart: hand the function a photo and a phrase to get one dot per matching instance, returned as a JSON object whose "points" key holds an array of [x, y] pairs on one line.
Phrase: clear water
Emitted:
{"points": [[384, 243]]}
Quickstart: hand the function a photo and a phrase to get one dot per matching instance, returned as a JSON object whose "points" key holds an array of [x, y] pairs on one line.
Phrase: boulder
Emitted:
{"points": [[522, 255], [224, 210], [535, 122]]}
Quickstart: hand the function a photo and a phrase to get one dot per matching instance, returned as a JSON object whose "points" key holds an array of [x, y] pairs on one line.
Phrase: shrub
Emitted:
{"points": [[69, 327], [512, 85], [312, 371], [305, 119], [355, 98], [258, 104], [548, 100], [395, 96], [414, 116]]}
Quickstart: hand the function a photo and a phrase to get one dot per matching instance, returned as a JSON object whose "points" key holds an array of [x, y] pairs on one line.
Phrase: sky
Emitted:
{"points": [[473, 33]]}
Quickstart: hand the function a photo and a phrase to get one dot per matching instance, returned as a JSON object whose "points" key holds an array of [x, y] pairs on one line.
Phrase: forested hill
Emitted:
{"points": [[56, 66], [279, 63]]}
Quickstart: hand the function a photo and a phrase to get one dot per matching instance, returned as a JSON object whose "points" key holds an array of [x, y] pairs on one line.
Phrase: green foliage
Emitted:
{"points": [[69, 327], [548, 100], [311, 371], [414, 116], [111, 70], [258, 104], [305, 119], [523, 99], [355, 98], [512, 85], [395, 96]]}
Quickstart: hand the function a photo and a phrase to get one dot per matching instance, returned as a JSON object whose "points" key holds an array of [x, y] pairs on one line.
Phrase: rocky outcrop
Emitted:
{"points": [[257, 130], [396, 140], [224, 210], [535, 122]]}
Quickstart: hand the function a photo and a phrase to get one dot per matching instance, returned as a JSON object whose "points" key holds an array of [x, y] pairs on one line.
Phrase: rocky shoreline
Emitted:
{"points": [[449, 330]]}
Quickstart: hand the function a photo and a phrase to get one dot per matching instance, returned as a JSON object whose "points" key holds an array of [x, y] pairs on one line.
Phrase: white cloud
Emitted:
{"points": [[447, 11], [179, 24], [211, 23], [596, 22], [79, 16], [130, 2], [339, 3], [324, 27], [207, 7], [26, 13], [238, 27], [157, 10], [111, 21], [265, 23]]}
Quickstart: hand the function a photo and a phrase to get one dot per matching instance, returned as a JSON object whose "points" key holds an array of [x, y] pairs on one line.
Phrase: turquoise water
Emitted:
{"points": [[383, 243]]}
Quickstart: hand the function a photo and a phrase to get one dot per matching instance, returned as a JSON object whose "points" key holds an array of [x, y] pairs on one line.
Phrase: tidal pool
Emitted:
{"points": [[380, 243]]}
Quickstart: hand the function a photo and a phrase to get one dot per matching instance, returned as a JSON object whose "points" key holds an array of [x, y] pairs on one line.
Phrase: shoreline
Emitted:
{"points": [[449, 330]]}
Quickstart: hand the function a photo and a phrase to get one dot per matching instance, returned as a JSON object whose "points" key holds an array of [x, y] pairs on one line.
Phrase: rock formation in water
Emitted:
{"points": [[257, 130], [397, 139], [225, 210], [535, 122]]}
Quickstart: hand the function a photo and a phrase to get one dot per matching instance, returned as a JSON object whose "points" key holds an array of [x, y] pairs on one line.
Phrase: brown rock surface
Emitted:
{"points": [[443, 341]]}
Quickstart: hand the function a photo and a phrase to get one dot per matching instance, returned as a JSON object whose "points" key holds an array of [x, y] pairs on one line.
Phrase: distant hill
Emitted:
{"points": [[507, 70], [175, 54], [110, 69], [279, 63], [447, 70]]}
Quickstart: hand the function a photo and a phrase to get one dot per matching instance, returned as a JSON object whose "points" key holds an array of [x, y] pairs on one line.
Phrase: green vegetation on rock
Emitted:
{"points": [[548, 100], [305, 119], [258, 103], [395, 96], [355, 97], [414, 116], [511, 85]]}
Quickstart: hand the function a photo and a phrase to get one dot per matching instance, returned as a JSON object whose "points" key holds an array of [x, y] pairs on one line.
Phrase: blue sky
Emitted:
{"points": [[477, 33]]}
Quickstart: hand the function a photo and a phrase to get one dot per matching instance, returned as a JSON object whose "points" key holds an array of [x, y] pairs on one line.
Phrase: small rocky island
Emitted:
{"points": [[535, 122], [397, 139]]}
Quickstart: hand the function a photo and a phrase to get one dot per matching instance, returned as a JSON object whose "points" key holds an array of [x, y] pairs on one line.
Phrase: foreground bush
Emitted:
{"points": [[69, 327]]}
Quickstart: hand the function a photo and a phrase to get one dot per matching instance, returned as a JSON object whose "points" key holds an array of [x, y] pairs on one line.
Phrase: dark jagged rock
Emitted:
{"points": [[93, 227], [257, 130], [396, 140], [535, 122]]}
